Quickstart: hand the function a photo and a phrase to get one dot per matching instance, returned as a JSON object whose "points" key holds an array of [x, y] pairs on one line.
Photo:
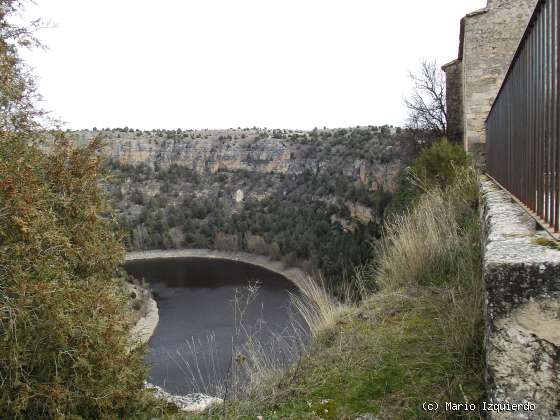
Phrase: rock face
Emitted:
{"points": [[362, 213], [144, 328], [191, 403], [239, 196], [522, 282], [213, 151]]}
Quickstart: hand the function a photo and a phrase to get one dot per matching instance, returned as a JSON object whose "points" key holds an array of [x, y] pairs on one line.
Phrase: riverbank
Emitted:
{"points": [[144, 328], [295, 275]]}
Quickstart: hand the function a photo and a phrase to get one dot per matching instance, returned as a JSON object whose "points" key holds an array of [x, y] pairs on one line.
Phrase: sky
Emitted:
{"points": [[195, 64]]}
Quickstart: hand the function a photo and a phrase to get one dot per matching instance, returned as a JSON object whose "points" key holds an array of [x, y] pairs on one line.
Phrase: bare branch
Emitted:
{"points": [[427, 105]]}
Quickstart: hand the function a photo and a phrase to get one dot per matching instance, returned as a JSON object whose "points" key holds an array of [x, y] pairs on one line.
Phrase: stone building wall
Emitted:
{"points": [[454, 95], [489, 39]]}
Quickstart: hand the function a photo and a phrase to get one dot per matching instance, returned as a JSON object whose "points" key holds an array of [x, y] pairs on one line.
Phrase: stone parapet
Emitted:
{"points": [[521, 272]]}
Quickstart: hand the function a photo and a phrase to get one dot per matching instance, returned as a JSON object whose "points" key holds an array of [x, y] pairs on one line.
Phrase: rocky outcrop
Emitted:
{"points": [[191, 403], [522, 287], [238, 150], [142, 312], [362, 213], [144, 328]]}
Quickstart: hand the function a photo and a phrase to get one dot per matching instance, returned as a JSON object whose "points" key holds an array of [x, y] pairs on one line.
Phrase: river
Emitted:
{"points": [[201, 302]]}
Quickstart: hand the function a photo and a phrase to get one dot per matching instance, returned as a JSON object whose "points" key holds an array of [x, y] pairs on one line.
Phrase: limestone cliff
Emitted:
{"points": [[213, 151]]}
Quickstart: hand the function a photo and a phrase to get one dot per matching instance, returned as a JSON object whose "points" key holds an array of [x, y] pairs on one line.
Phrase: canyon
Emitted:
{"points": [[314, 199]]}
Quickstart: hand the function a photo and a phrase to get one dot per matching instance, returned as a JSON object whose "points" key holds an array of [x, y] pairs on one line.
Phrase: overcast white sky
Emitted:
{"points": [[229, 63]]}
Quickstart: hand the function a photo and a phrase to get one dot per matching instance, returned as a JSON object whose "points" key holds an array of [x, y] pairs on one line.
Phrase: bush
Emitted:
{"points": [[64, 348], [435, 165]]}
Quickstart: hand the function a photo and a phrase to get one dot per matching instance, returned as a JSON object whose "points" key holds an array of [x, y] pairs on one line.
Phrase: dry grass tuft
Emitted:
{"points": [[426, 244], [436, 244], [316, 305]]}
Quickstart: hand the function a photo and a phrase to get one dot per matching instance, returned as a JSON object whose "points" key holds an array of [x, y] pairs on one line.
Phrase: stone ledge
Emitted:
{"points": [[522, 290], [478, 12]]}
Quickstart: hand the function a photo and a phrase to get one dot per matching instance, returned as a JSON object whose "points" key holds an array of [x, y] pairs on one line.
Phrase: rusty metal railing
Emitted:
{"points": [[522, 144]]}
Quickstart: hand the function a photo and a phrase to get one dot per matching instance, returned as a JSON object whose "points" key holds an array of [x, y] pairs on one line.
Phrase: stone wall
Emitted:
{"points": [[521, 270], [489, 39], [454, 95]]}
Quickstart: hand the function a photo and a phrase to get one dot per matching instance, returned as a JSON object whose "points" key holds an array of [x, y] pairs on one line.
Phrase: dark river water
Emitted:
{"points": [[191, 349]]}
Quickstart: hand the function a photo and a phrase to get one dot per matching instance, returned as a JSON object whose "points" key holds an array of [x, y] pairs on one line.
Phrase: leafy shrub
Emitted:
{"points": [[435, 165]]}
